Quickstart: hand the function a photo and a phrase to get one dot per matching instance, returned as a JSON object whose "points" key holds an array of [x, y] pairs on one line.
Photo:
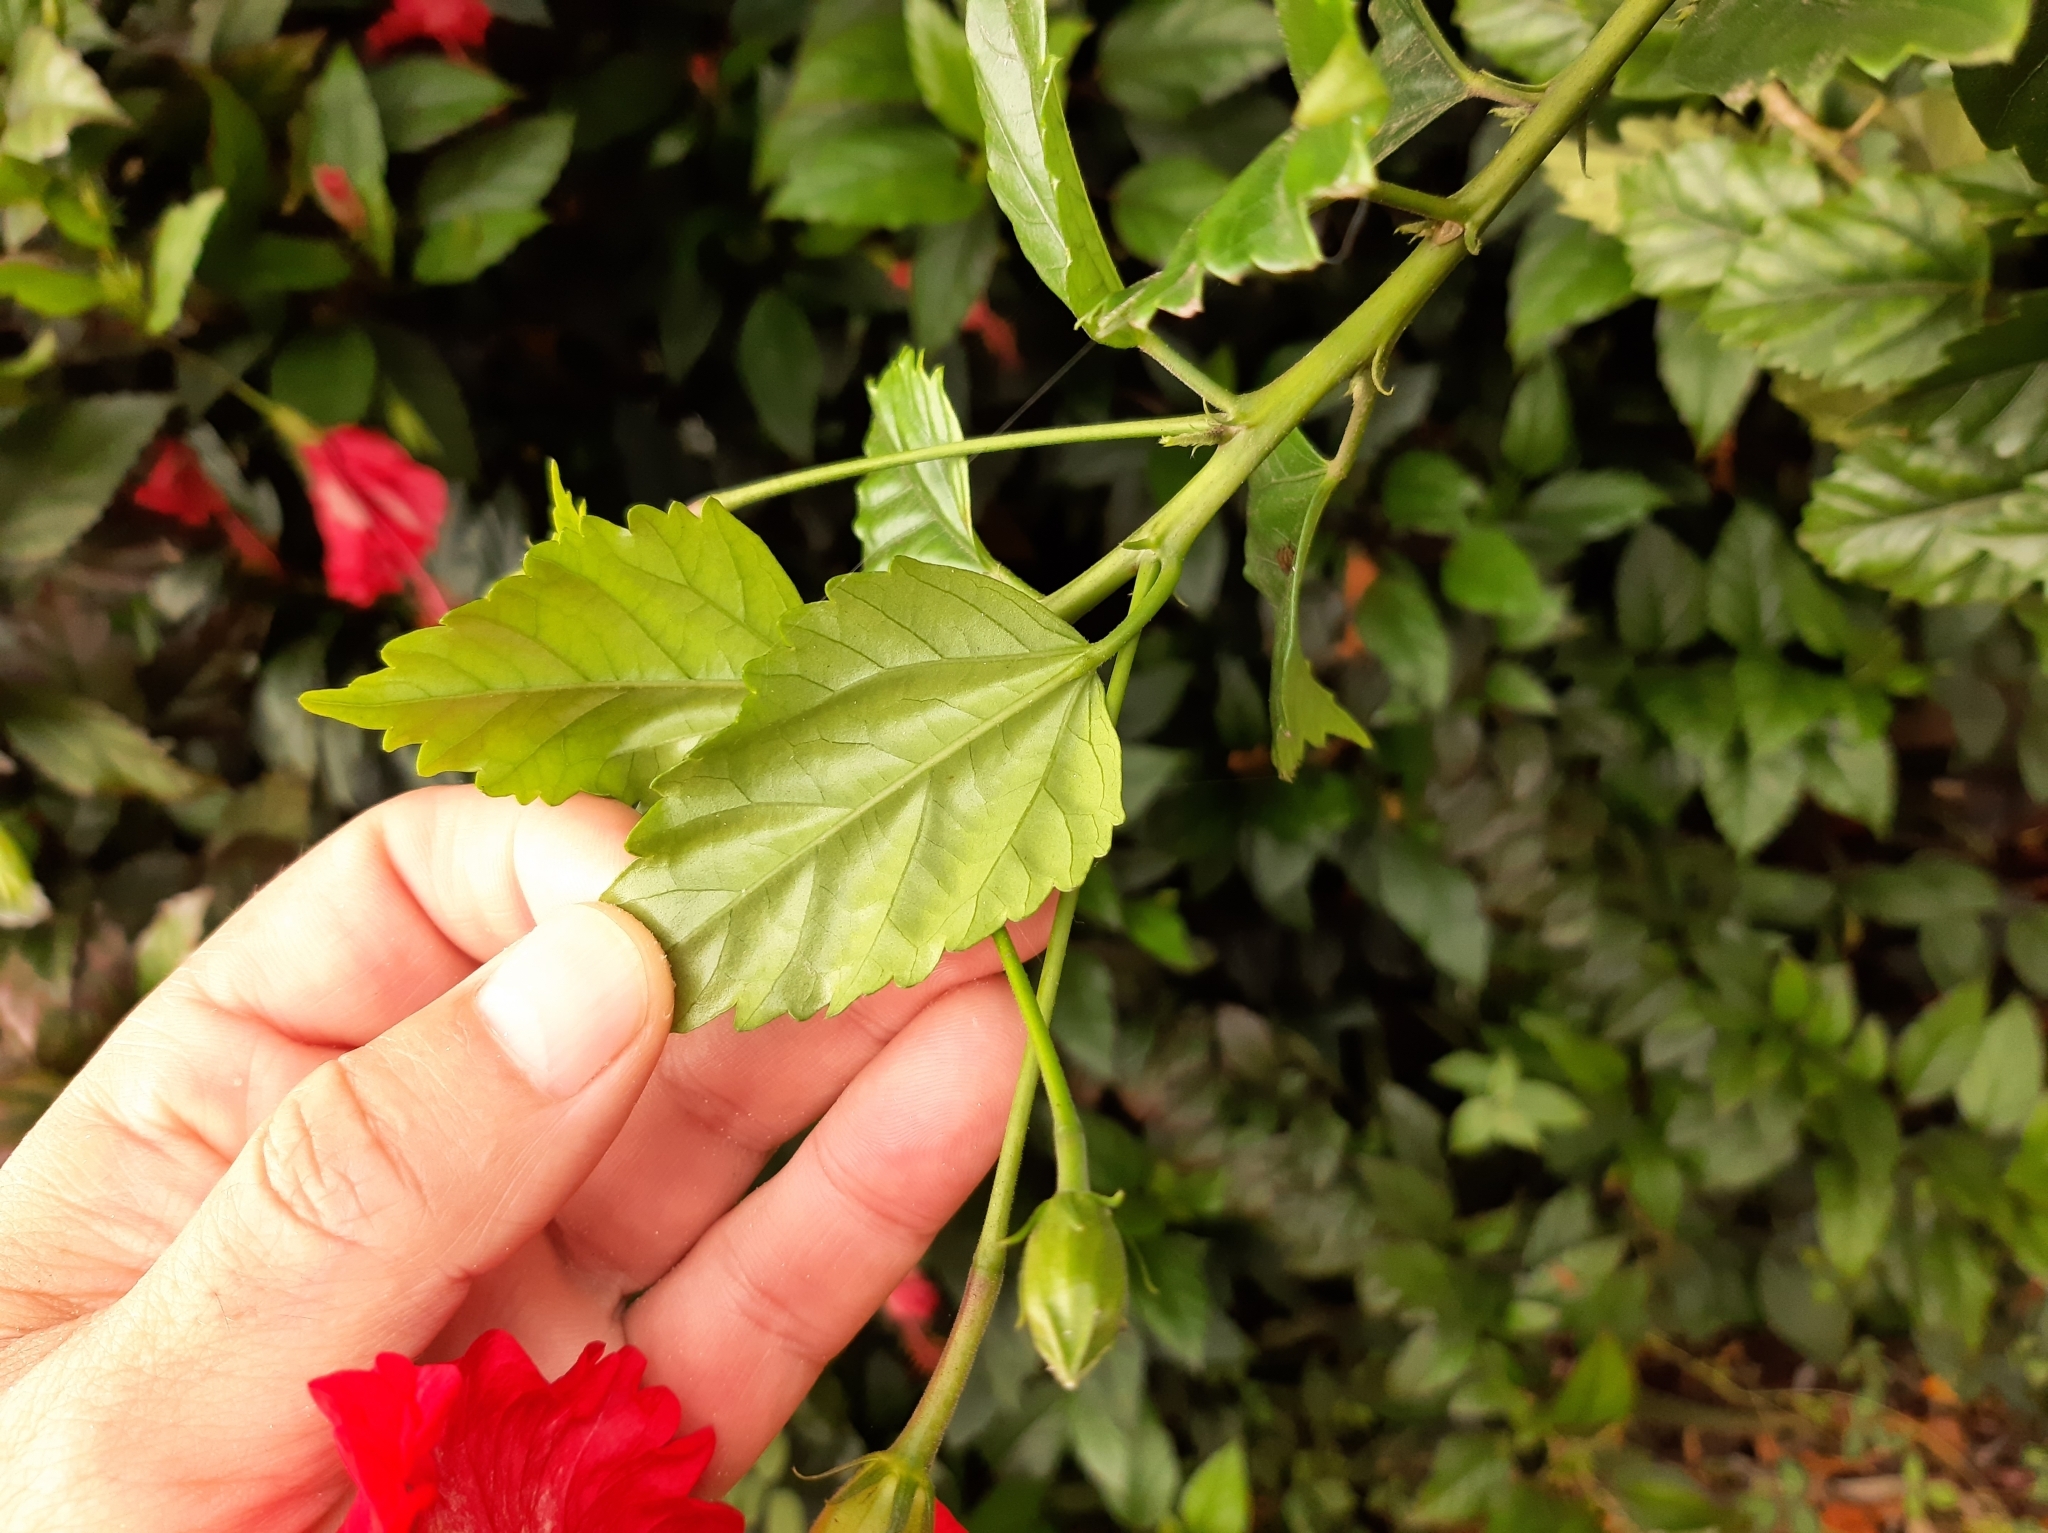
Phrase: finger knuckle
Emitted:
{"points": [[329, 1163]]}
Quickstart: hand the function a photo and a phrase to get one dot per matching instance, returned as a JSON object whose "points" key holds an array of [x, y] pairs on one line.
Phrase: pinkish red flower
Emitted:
{"points": [[911, 1308], [457, 25], [378, 512], [486, 1445], [176, 485]]}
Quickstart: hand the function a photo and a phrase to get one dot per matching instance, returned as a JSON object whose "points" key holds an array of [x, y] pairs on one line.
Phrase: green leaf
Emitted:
{"points": [[1855, 1212], [1866, 289], [1513, 686], [1686, 210], [1430, 492], [2026, 947], [1746, 602], [1593, 504], [1752, 796], [922, 512], [1218, 1495], [60, 463], [174, 253], [1287, 494], [1659, 593], [424, 98], [2008, 103], [242, 24], [457, 249], [879, 175], [1727, 44], [343, 130], [1537, 437], [953, 266], [506, 170], [1708, 382], [1996, 1094], [88, 750], [945, 73], [1924, 889], [49, 290], [1599, 1391], [610, 655], [1436, 904], [50, 91], [1172, 1295], [1031, 165], [1424, 78], [927, 756], [1566, 274], [409, 363], [1397, 621], [1487, 572], [1530, 38], [781, 370], [1164, 58], [1938, 1047], [22, 900], [328, 376], [1155, 203], [173, 932], [280, 263], [853, 68]]}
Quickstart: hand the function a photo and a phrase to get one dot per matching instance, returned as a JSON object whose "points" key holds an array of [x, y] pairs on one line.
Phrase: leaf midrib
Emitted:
{"points": [[1085, 660], [676, 684]]}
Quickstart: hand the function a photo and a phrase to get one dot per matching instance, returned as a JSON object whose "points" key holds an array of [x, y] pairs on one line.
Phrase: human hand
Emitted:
{"points": [[420, 1087]]}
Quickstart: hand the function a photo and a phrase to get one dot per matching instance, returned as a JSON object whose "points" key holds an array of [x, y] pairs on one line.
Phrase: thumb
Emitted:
{"points": [[356, 1215]]}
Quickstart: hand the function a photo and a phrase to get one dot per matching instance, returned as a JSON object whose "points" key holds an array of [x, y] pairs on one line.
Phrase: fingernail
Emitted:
{"points": [[566, 999]]}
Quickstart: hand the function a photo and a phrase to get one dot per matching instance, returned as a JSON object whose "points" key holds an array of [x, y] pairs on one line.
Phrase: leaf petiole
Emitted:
{"points": [[1050, 436], [1069, 1142]]}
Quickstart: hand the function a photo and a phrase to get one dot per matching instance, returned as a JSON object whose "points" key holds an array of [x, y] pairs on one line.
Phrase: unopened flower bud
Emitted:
{"points": [[1074, 1283], [887, 1494]]}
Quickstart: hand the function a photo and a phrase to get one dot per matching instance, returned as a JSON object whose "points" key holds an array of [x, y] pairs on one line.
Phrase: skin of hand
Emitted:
{"points": [[423, 1085]]}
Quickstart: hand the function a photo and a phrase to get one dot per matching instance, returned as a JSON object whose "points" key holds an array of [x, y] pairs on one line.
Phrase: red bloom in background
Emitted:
{"points": [[486, 1445], [911, 1308], [176, 485], [378, 511], [944, 1521], [455, 24]]}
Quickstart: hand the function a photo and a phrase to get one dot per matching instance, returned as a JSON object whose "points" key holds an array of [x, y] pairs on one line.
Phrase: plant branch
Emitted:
{"points": [[1265, 417], [1422, 204], [1783, 109], [1051, 436], [1192, 377]]}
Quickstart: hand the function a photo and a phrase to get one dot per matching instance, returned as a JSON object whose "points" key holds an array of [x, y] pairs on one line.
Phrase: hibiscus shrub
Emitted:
{"points": [[1549, 1037]]}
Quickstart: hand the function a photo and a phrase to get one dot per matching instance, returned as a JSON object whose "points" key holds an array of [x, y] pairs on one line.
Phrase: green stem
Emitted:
{"points": [[1265, 417], [1052, 436], [1422, 204], [1194, 378], [1069, 1142], [926, 1429]]}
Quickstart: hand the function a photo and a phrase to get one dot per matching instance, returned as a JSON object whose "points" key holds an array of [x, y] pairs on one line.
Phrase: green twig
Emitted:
{"points": [[1422, 204], [1194, 378], [1052, 436], [1069, 1142]]}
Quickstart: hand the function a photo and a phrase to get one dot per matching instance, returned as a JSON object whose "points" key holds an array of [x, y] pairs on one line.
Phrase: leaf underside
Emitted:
{"points": [[928, 756], [610, 654], [923, 511]]}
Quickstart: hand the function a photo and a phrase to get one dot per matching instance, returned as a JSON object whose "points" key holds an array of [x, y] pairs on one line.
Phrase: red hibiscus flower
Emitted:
{"points": [[486, 1445], [378, 511], [911, 1308], [176, 485], [455, 24]]}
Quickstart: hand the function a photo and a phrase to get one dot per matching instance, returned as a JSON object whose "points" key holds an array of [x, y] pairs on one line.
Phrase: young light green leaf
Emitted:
{"points": [[1599, 1391], [1938, 1046], [50, 91], [1998, 1090], [1687, 210], [1708, 382], [1866, 289], [1936, 523], [344, 133], [87, 749], [1566, 274], [1031, 165], [942, 67], [847, 829], [1424, 76], [1156, 202], [1164, 58], [781, 370], [60, 463], [52, 291], [22, 900], [924, 511], [458, 248], [1487, 571], [1218, 1495], [609, 656], [1727, 44], [424, 98], [1287, 494], [174, 253]]}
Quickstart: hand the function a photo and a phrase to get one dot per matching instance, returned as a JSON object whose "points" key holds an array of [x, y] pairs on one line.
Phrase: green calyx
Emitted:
{"points": [[1075, 1283], [887, 1494]]}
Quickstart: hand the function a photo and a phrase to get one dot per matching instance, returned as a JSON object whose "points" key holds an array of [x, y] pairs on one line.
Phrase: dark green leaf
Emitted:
{"points": [[1599, 1391], [942, 67], [1530, 38], [1156, 202], [457, 249], [1537, 438], [780, 367], [953, 265], [343, 131], [1164, 58], [328, 376], [425, 98], [611, 654], [1287, 494], [1922, 890], [60, 464], [1422, 73], [1855, 1212], [1434, 903], [1659, 593], [846, 831], [87, 749], [1593, 504], [1938, 1047], [1752, 796], [1518, 689], [507, 170], [2008, 102], [1708, 382], [1430, 492], [280, 263], [1726, 44], [410, 364], [1397, 621], [879, 175], [1566, 274], [1745, 598], [1174, 1303]]}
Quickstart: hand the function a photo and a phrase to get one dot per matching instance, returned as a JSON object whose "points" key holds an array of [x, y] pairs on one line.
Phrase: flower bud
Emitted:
{"points": [[887, 1494], [1074, 1283]]}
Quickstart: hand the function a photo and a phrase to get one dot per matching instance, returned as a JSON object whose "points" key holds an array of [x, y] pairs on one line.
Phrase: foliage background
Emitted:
{"points": [[1617, 1097]]}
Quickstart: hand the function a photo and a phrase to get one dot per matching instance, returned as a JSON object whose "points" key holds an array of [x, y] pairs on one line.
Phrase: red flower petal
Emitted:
{"points": [[454, 24], [914, 1301], [508, 1452], [944, 1521], [339, 199], [378, 512], [176, 486]]}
